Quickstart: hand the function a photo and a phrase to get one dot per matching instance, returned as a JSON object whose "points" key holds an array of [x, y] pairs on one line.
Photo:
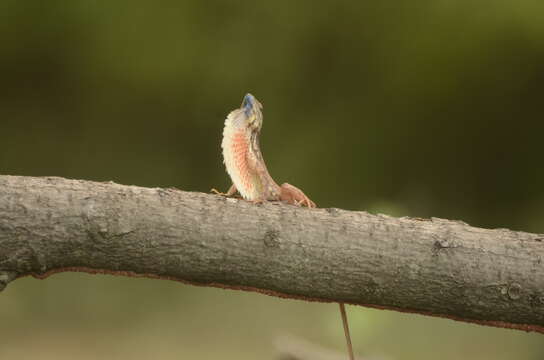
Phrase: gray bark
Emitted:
{"points": [[434, 267]]}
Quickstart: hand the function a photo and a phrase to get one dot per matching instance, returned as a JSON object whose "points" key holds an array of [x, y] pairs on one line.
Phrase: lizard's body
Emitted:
{"points": [[244, 161]]}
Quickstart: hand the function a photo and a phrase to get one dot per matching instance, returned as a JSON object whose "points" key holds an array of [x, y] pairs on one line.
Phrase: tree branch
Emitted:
{"points": [[433, 267]]}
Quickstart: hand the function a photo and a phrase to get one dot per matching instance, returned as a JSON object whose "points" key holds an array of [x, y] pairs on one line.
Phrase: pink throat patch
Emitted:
{"points": [[240, 149]]}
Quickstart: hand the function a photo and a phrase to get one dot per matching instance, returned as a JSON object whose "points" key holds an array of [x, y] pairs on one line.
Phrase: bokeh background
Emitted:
{"points": [[417, 108]]}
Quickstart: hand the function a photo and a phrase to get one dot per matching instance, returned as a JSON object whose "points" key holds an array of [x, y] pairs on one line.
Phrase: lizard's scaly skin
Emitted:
{"points": [[244, 161], [236, 145]]}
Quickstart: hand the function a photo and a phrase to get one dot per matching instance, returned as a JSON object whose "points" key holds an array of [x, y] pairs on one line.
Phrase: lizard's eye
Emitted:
{"points": [[253, 121]]}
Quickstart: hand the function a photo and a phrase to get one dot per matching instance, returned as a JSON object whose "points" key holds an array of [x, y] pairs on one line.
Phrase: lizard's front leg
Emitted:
{"points": [[232, 190], [293, 195]]}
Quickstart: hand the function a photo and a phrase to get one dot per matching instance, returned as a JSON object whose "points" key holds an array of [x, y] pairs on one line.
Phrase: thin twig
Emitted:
{"points": [[346, 330]]}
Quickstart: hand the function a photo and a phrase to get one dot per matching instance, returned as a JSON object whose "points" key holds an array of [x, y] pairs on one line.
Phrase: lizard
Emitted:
{"points": [[244, 161], [250, 177]]}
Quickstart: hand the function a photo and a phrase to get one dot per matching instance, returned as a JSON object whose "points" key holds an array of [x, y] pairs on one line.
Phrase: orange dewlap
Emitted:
{"points": [[240, 148]]}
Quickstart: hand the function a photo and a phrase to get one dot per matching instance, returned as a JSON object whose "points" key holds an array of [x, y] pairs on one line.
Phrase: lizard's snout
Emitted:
{"points": [[248, 104], [251, 109]]}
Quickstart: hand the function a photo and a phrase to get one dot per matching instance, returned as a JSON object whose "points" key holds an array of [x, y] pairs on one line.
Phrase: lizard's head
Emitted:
{"points": [[252, 111]]}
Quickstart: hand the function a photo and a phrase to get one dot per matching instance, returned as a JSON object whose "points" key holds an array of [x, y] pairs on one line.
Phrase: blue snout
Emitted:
{"points": [[248, 103]]}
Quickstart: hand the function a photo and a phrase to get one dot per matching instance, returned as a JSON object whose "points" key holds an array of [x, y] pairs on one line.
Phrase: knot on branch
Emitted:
{"points": [[271, 238]]}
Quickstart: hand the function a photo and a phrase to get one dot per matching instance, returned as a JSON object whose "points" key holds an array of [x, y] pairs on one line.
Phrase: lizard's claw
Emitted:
{"points": [[217, 192], [305, 202], [231, 192], [293, 195]]}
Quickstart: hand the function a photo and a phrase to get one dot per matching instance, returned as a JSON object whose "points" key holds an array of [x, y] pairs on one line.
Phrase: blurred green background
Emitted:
{"points": [[418, 108]]}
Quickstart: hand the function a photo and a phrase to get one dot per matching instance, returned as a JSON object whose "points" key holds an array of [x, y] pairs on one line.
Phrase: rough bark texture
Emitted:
{"points": [[434, 267]]}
